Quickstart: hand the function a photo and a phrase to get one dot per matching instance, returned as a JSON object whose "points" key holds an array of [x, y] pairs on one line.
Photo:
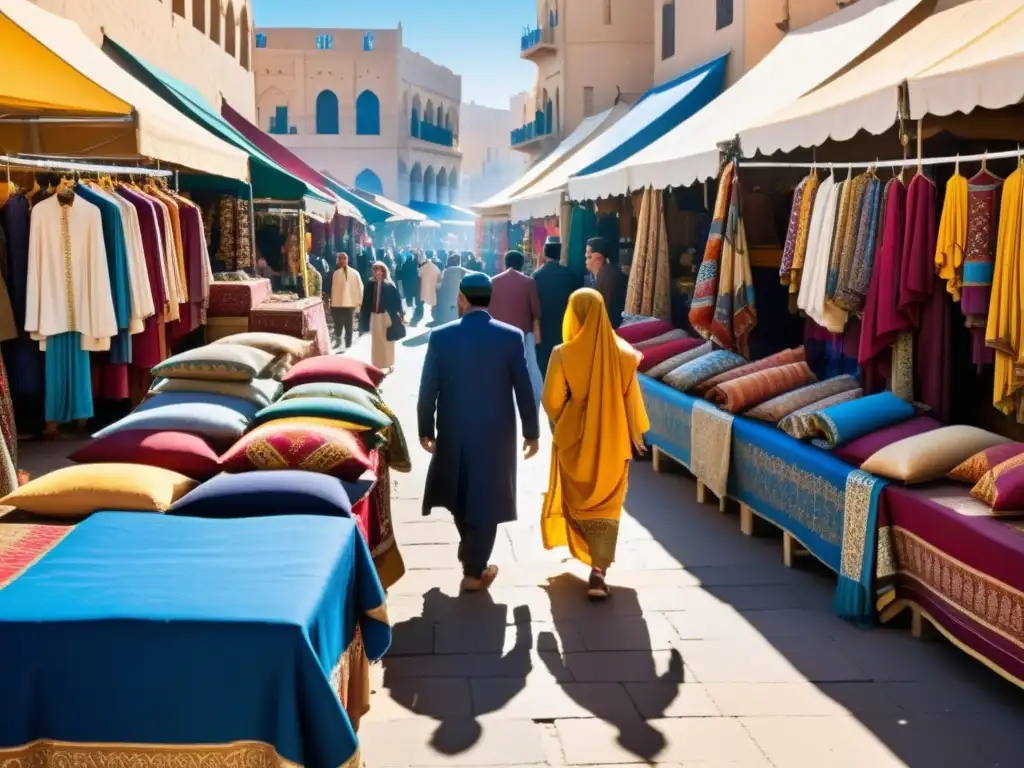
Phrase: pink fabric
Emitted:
{"points": [[655, 355], [644, 330], [858, 451]]}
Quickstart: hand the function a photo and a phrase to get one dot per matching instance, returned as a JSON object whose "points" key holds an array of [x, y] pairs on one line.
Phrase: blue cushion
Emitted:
{"points": [[266, 494], [245, 408], [839, 424], [219, 424]]}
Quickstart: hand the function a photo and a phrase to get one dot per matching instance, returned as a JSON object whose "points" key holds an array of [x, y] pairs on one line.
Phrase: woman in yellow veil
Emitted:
{"points": [[592, 396]]}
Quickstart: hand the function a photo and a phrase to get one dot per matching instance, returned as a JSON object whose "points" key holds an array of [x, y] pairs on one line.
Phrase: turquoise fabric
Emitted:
{"points": [[68, 379], [323, 408], [689, 375], [153, 629], [842, 423], [582, 227], [220, 425]]}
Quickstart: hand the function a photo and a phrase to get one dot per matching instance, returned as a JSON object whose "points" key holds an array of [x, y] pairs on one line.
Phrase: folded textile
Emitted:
{"points": [[778, 408], [754, 388], [801, 424], [785, 357], [842, 423], [656, 355], [703, 368], [658, 372], [673, 335]]}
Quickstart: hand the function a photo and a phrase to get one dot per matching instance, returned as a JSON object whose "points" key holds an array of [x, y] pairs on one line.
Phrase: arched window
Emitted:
{"points": [[414, 117], [367, 114], [230, 31], [549, 115], [442, 186], [199, 15], [416, 183], [453, 186], [178, 8], [430, 185], [428, 112], [215, 20], [368, 181], [440, 116], [327, 112], [246, 39], [368, 41], [448, 120]]}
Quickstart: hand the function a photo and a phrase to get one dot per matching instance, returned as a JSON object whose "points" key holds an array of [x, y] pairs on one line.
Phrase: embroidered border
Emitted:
{"points": [[22, 545], [857, 503], [986, 600], [711, 429]]}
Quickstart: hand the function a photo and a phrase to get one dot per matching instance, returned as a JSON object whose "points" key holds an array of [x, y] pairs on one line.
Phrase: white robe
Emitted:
{"points": [[814, 282], [49, 307], [429, 277]]}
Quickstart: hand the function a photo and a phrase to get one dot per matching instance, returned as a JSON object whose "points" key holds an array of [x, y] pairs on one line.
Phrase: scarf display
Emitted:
{"points": [[649, 289]]}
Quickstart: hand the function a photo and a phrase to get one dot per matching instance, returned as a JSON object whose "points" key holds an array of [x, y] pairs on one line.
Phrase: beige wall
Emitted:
{"points": [[488, 163], [214, 58], [290, 72], [614, 59]]}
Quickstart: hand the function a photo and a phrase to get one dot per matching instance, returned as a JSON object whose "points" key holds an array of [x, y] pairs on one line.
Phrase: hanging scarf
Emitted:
{"points": [[983, 192], [855, 273], [648, 291], [705, 293], [1003, 330], [800, 246], [846, 232], [789, 247], [952, 239]]}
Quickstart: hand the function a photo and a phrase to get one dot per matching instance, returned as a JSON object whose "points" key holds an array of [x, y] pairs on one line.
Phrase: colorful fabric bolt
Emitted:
{"points": [[842, 423], [755, 388], [781, 406]]}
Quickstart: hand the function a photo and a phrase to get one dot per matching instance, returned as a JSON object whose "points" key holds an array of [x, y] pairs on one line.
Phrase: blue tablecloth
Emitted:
{"points": [[669, 412], [155, 630]]}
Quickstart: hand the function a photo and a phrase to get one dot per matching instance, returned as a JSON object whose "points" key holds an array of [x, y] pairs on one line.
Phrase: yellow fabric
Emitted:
{"points": [[86, 488], [802, 229], [952, 240], [592, 396], [1004, 315]]}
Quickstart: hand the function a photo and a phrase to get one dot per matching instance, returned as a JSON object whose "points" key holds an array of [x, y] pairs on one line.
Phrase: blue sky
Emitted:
{"points": [[478, 39]]}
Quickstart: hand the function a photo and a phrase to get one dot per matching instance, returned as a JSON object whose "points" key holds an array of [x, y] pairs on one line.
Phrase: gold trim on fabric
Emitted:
{"points": [[987, 600], [903, 367], [711, 447], [601, 536], [856, 513], [380, 613]]}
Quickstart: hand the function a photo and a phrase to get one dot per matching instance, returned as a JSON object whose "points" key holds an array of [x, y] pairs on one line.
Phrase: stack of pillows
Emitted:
{"points": [[216, 412]]}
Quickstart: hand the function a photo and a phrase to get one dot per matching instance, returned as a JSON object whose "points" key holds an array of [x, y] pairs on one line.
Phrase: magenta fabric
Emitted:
{"points": [[858, 451], [644, 330], [338, 369], [281, 155], [659, 354], [994, 456], [177, 451]]}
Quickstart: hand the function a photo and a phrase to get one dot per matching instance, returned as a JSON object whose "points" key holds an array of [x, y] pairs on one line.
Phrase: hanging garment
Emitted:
{"points": [[68, 281], [170, 259], [845, 236], [68, 379], [147, 348], [821, 236], [855, 272], [952, 240], [23, 358], [648, 292], [1004, 316], [917, 269], [983, 191], [803, 190]]}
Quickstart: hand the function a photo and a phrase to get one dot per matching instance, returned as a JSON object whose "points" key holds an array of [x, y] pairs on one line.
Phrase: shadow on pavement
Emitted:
{"points": [[457, 734]]}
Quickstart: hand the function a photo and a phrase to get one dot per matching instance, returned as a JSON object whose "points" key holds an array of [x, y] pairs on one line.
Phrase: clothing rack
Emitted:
{"points": [[900, 163], [61, 164]]}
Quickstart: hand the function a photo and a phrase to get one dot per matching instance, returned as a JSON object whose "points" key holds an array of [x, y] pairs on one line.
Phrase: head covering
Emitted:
{"points": [[602, 246], [476, 287], [553, 248]]}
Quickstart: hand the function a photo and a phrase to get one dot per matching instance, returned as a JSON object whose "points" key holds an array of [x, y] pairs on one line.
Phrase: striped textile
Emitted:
{"points": [[778, 408], [785, 357], [753, 389]]}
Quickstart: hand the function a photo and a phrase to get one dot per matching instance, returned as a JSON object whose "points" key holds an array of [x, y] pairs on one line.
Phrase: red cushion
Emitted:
{"points": [[179, 452], [634, 333], [858, 451], [653, 356], [338, 369], [309, 447]]}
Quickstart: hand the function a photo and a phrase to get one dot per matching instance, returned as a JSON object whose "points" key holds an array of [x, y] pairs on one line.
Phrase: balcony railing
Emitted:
{"points": [[534, 39], [538, 129], [434, 134]]}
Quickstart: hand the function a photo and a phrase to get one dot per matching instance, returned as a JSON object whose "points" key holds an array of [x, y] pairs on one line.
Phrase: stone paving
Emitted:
{"points": [[710, 652]]}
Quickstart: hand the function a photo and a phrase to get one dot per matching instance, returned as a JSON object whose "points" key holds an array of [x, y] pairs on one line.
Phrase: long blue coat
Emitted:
{"points": [[474, 377]]}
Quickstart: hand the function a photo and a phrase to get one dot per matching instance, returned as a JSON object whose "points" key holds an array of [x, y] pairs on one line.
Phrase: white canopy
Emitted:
{"points": [[161, 132], [988, 73], [498, 203], [803, 60], [866, 98]]}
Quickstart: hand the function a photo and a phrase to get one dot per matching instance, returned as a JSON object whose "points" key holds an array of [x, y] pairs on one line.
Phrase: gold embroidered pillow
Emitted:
{"points": [[216, 362], [1002, 487], [975, 468]]}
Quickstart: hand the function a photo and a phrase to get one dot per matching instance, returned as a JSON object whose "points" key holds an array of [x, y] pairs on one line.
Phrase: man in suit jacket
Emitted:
{"points": [[514, 301], [555, 284], [474, 379], [609, 279]]}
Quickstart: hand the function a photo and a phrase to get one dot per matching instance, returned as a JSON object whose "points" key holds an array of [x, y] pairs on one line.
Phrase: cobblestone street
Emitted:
{"points": [[710, 652]]}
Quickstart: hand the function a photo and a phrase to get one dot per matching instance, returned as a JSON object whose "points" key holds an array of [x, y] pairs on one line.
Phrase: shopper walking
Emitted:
{"points": [[346, 298], [382, 317]]}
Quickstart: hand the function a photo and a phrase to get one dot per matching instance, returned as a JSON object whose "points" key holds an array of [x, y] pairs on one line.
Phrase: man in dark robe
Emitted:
{"points": [[555, 284], [609, 279], [474, 379]]}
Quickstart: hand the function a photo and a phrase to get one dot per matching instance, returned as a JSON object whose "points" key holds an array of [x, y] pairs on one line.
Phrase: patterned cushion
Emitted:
{"points": [[245, 408], [974, 468], [658, 371], [339, 369], [260, 392], [703, 368], [636, 333], [287, 350], [653, 356], [754, 388], [86, 488], [263, 494], [219, 362], [778, 408], [657, 341], [932, 455], [800, 423], [179, 452], [323, 408], [217, 424], [1002, 487], [785, 357], [839, 424], [309, 447], [858, 451]]}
